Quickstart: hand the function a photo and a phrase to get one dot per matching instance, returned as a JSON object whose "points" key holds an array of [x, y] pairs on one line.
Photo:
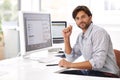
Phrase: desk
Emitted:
{"points": [[23, 69]]}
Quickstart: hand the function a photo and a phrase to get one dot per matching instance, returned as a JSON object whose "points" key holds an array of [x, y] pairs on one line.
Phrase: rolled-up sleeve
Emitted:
{"points": [[70, 57], [75, 53]]}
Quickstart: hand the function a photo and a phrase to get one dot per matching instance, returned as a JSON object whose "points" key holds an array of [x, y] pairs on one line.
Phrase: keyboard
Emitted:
{"points": [[43, 59]]}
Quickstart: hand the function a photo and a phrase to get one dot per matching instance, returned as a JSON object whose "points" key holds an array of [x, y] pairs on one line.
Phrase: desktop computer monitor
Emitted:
{"points": [[56, 29], [35, 32]]}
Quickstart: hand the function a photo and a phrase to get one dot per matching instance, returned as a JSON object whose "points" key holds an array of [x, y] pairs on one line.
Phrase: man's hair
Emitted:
{"points": [[81, 8]]}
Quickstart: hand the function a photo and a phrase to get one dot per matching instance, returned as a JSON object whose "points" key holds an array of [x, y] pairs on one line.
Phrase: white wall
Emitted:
{"points": [[30, 5]]}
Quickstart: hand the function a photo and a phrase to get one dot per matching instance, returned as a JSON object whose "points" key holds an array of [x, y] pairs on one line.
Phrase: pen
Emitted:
{"points": [[52, 65]]}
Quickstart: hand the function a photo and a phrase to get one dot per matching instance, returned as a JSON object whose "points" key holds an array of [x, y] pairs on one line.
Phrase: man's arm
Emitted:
{"points": [[82, 65], [68, 48], [66, 34], [79, 65]]}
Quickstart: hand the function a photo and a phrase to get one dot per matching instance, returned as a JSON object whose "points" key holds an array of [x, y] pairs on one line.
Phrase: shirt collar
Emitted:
{"points": [[86, 34]]}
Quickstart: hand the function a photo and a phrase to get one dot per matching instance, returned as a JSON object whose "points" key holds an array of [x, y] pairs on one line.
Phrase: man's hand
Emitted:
{"points": [[64, 63], [67, 31]]}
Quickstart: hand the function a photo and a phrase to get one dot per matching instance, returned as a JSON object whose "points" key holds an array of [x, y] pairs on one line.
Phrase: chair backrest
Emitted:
{"points": [[117, 54]]}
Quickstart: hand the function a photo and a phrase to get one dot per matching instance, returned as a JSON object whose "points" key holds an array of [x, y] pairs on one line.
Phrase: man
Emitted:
{"points": [[93, 43]]}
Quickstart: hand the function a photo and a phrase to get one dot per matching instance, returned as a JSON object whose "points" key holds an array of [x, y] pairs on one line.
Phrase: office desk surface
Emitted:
{"points": [[24, 69]]}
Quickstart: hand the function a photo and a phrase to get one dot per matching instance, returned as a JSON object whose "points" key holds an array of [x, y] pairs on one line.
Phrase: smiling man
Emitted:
{"points": [[94, 43]]}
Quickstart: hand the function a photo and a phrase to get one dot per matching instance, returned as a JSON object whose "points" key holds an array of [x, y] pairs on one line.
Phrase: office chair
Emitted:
{"points": [[117, 54]]}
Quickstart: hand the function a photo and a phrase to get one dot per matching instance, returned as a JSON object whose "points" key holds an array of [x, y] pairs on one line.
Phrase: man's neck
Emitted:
{"points": [[85, 29]]}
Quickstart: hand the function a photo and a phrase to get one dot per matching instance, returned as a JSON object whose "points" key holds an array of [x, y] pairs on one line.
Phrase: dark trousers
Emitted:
{"points": [[90, 73]]}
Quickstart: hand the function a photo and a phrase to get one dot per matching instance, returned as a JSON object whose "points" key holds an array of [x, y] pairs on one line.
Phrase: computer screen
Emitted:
{"points": [[56, 29], [35, 32]]}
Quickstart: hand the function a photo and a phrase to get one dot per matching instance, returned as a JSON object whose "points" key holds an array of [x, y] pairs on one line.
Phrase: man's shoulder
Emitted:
{"points": [[97, 28]]}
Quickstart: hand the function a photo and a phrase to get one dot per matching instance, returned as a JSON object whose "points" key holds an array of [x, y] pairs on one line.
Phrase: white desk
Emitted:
{"points": [[24, 69]]}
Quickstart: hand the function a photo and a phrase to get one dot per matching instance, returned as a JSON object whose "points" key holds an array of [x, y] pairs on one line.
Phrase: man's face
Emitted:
{"points": [[83, 20]]}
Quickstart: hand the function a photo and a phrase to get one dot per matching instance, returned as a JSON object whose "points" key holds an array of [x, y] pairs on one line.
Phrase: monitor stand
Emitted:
{"points": [[57, 48], [54, 50]]}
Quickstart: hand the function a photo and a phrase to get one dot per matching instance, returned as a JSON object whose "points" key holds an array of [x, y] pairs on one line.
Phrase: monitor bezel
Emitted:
{"points": [[55, 38]]}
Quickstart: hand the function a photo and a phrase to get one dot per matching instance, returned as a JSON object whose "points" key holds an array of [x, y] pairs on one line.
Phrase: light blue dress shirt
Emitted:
{"points": [[96, 47]]}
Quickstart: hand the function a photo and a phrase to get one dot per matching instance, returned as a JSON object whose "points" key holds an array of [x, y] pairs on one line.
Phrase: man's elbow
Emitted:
{"points": [[98, 65]]}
